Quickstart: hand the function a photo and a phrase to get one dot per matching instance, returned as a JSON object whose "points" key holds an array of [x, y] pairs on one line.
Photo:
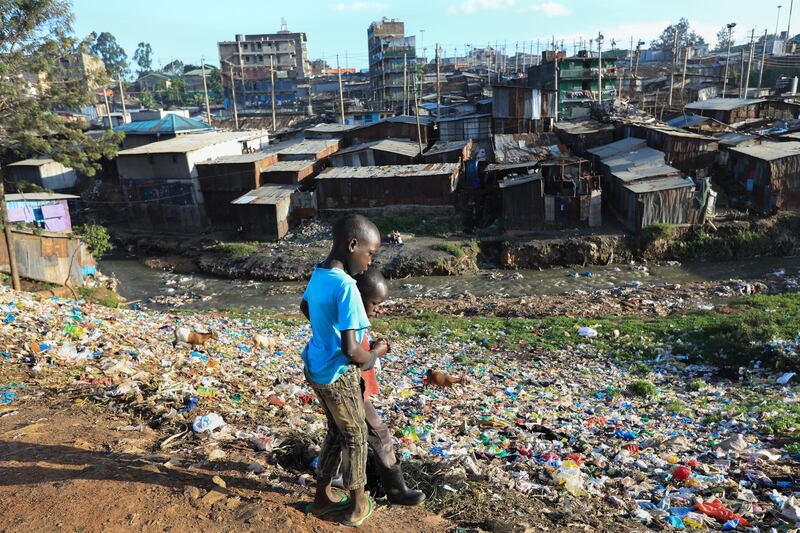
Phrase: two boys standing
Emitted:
{"points": [[335, 357]]}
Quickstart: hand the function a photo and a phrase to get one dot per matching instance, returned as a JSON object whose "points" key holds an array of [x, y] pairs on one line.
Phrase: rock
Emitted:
{"points": [[191, 492], [734, 443], [212, 497], [216, 455], [218, 481], [255, 468]]}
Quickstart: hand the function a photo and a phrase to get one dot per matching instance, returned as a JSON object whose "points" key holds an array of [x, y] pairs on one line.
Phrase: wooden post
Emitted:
{"points": [[12, 255], [233, 96], [272, 84], [205, 90], [341, 92]]}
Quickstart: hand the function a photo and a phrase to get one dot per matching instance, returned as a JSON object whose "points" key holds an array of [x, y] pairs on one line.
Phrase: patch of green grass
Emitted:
{"points": [[640, 368], [437, 226], [675, 406], [100, 295], [654, 232], [642, 388], [452, 248], [237, 250], [696, 385]]}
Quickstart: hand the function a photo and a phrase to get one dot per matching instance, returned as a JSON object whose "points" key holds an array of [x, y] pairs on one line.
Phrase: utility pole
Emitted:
{"points": [[341, 93], [416, 113], [9, 238], [241, 75], [405, 84], [108, 109], [516, 57], [600, 69], [672, 70], [683, 79], [438, 85], [730, 27], [763, 59], [233, 96], [741, 73], [122, 98], [636, 67], [789, 24], [555, 74], [272, 86], [750, 62], [205, 89]]}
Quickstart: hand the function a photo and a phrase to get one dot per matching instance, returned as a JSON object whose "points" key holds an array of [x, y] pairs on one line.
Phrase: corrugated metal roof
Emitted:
{"points": [[169, 124], [519, 180], [39, 197], [661, 184], [643, 173], [269, 194], [687, 121], [442, 147], [238, 158], [643, 157], [770, 151], [190, 143], [331, 128], [510, 166], [463, 117], [389, 171], [395, 146], [723, 104], [628, 144], [583, 127], [290, 166], [310, 147], [33, 162]]}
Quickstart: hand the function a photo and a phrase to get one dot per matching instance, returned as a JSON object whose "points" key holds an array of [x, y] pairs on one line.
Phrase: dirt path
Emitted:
{"points": [[71, 468]]}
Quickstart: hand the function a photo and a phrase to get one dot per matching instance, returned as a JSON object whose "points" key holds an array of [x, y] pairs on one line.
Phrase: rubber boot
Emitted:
{"points": [[395, 486]]}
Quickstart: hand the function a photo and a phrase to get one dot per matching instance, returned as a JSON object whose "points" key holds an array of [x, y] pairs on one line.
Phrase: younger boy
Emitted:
{"points": [[374, 291], [333, 306]]}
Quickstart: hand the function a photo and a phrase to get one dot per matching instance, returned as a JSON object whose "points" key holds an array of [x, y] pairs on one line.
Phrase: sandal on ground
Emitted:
{"points": [[341, 505], [356, 523]]}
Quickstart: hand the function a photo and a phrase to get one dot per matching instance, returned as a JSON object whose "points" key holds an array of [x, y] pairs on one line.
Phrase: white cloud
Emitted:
{"points": [[473, 6], [359, 6], [549, 9]]}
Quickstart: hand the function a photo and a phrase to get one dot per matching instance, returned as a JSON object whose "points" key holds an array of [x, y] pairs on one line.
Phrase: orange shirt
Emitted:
{"points": [[370, 381]]}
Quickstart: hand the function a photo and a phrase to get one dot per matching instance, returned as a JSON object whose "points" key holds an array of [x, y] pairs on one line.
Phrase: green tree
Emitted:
{"points": [[147, 100], [723, 39], [144, 58], [96, 238], [214, 83], [176, 92], [113, 55], [174, 67], [686, 36]]}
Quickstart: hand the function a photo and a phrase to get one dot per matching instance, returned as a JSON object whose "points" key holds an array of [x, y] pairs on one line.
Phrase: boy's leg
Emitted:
{"points": [[329, 457], [346, 405]]}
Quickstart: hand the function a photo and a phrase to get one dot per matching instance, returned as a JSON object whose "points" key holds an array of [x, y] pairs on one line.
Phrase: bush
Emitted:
{"points": [[96, 237], [643, 388], [99, 295], [237, 250], [451, 248]]}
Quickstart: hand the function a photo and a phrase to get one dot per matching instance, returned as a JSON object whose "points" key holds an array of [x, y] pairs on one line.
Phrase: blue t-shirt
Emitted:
{"points": [[334, 305]]}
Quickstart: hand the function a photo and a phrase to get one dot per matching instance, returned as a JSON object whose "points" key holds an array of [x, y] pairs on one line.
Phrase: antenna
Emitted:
{"points": [[284, 26]]}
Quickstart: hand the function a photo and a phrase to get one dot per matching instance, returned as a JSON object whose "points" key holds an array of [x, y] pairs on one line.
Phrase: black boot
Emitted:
{"points": [[396, 490]]}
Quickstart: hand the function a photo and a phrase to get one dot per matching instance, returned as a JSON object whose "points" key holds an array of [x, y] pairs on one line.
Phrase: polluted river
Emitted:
{"points": [[159, 289]]}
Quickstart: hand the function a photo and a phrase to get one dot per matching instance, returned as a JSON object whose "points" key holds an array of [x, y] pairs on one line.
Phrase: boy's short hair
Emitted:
{"points": [[370, 282], [353, 226]]}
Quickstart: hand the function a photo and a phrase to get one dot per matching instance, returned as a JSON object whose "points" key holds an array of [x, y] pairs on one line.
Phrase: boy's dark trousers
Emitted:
{"points": [[346, 439]]}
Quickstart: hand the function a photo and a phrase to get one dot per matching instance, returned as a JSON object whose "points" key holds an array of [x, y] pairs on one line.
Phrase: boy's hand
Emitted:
{"points": [[381, 347]]}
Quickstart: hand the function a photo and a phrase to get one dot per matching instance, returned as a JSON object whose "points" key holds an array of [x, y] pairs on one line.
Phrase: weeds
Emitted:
{"points": [[237, 250], [642, 388]]}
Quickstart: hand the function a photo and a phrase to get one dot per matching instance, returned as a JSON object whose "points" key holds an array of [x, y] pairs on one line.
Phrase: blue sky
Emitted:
{"points": [[187, 30]]}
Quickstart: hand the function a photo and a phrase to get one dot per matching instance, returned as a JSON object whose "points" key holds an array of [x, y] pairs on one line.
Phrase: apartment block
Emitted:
{"points": [[391, 54]]}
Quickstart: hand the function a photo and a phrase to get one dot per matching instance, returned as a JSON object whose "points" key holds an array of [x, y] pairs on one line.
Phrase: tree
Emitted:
{"points": [[686, 37], [96, 238], [214, 83], [144, 58], [113, 55], [35, 84], [176, 91], [174, 67], [147, 100], [723, 39]]}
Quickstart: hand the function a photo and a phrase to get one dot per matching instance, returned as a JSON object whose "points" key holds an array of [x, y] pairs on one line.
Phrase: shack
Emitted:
{"points": [[523, 202], [692, 153], [385, 152], [44, 172], [764, 176], [399, 127], [225, 178], [520, 109], [52, 257], [327, 131], [313, 149], [580, 136], [475, 127], [290, 171], [45, 210], [264, 212], [448, 152], [169, 126], [431, 184], [728, 110]]}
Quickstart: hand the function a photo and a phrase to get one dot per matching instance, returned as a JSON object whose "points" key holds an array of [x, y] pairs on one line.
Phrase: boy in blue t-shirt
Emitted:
{"points": [[332, 359]]}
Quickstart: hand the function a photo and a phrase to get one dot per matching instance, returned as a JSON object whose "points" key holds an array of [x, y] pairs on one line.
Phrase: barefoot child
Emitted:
{"points": [[333, 305], [374, 292]]}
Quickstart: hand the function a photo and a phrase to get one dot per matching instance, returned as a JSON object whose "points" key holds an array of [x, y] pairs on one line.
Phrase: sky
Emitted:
{"points": [[188, 30]]}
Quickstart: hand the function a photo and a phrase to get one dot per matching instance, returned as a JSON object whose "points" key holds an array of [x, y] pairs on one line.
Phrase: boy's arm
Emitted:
{"points": [[304, 309], [356, 353]]}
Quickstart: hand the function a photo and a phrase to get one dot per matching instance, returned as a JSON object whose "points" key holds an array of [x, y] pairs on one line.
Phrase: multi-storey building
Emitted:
{"points": [[248, 59], [392, 60], [578, 80]]}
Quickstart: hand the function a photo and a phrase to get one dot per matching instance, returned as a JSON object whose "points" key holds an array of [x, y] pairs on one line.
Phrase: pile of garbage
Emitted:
{"points": [[673, 447]]}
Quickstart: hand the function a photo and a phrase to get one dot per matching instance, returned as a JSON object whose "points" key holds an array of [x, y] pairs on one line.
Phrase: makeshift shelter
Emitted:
{"points": [[385, 152], [264, 212], [766, 175], [523, 202]]}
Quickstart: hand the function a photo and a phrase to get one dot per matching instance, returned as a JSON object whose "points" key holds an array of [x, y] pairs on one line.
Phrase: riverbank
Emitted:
{"points": [[442, 251], [555, 426]]}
